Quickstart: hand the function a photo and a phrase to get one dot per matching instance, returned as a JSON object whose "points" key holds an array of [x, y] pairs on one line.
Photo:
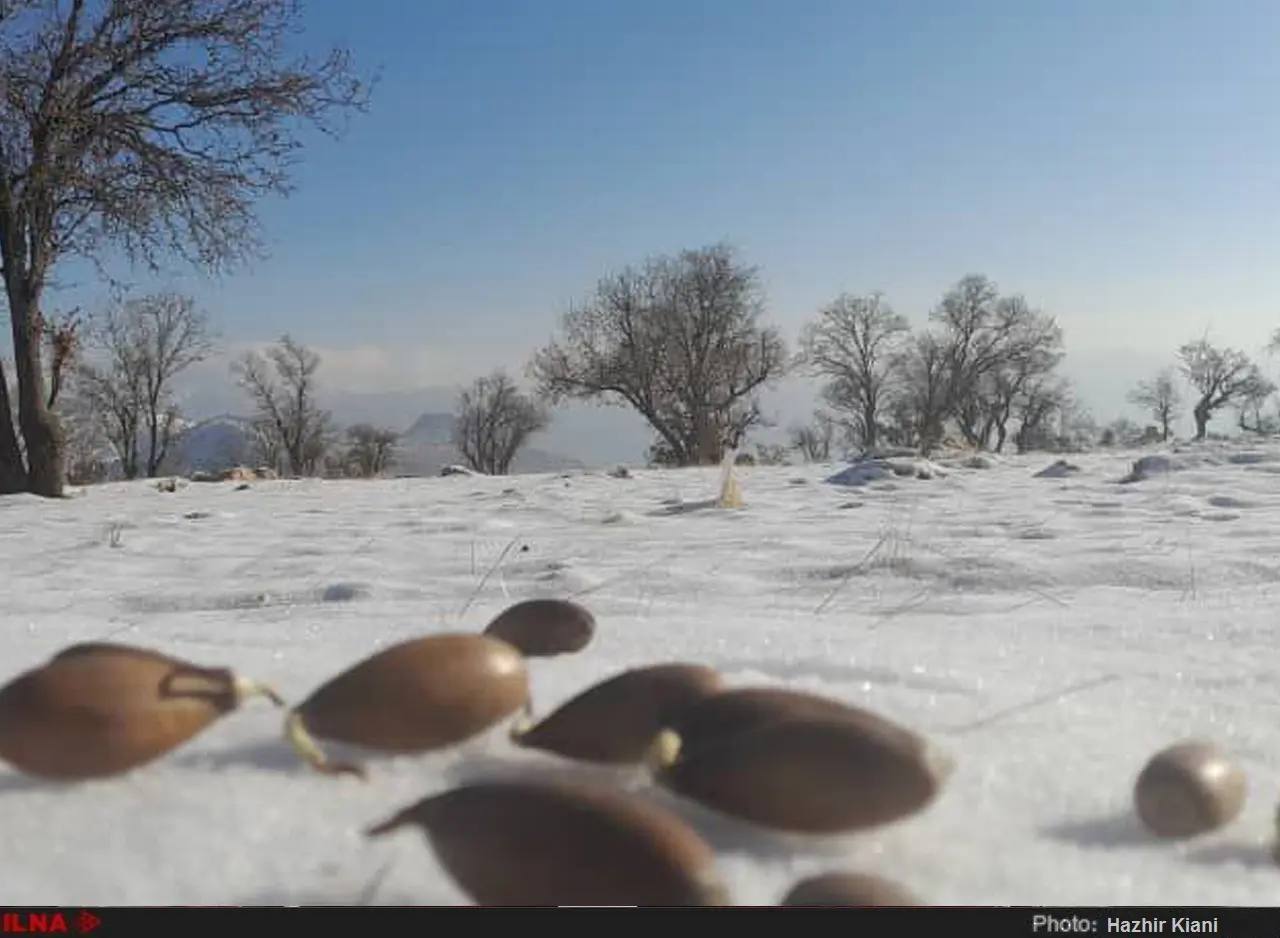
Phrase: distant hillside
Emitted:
{"points": [[427, 447], [211, 445], [431, 428]]}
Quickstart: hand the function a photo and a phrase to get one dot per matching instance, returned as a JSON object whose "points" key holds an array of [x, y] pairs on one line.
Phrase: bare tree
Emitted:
{"points": [[494, 420], [370, 449], [140, 347], [921, 406], [88, 451], [1251, 406], [852, 345], [291, 427], [138, 128], [1220, 376], [678, 340], [1049, 416], [1161, 398], [814, 440], [993, 347], [1121, 432]]}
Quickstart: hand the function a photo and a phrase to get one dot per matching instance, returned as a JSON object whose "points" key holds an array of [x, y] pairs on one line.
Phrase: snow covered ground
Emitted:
{"points": [[1051, 632]]}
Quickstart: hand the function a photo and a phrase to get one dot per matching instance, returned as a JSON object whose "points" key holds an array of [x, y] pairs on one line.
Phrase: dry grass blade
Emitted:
{"points": [[1035, 702], [856, 568], [488, 573]]}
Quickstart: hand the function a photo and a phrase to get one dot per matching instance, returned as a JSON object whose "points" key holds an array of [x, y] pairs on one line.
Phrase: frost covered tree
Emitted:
{"points": [[1161, 398], [1220, 377]]}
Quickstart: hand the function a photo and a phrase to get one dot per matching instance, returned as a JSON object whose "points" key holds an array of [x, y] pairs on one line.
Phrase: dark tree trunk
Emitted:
{"points": [[13, 471], [1202, 422], [41, 431], [869, 435]]}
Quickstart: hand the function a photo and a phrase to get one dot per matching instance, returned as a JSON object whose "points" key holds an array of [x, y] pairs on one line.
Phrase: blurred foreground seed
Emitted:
{"points": [[731, 711], [616, 721], [99, 709], [542, 628], [848, 889], [1188, 789], [562, 843], [808, 776], [414, 697]]}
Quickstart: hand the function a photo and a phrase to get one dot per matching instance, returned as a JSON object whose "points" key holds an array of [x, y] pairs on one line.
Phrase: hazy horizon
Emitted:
{"points": [[1113, 163]]}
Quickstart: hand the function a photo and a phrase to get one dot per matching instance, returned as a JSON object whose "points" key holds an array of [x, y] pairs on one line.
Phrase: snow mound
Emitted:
{"points": [[1058, 470], [873, 470], [1158, 464]]}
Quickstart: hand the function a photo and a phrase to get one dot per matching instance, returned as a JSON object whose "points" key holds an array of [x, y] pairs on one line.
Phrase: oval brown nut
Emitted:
{"points": [[741, 708], [413, 697], [811, 776], [615, 722], [100, 709], [1188, 789], [849, 889], [563, 843], [541, 628]]}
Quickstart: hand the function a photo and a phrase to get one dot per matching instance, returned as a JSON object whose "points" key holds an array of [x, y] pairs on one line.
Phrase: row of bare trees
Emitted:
{"points": [[985, 366], [1217, 378], [680, 336], [114, 392], [680, 340], [292, 433]]}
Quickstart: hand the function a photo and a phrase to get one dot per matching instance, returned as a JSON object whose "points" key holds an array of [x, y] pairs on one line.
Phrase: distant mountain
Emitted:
{"points": [[430, 429], [210, 446], [427, 447], [597, 437]]}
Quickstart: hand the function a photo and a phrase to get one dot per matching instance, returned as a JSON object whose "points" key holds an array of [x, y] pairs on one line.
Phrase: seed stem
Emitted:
{"points": [[521, 726], [245, 689], [305, 746], [663, 751]]}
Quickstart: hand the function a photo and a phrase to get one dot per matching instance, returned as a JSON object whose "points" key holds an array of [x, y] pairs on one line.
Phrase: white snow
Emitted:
{"points": [[1051, 634]]}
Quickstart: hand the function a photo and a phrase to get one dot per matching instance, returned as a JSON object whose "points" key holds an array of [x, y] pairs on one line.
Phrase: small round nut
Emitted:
{"points": [[1189, 789], [850, 890]]}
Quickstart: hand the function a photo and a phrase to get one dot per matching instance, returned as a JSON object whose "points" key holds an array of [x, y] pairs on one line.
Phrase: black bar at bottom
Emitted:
{"points": [[106, 922]]}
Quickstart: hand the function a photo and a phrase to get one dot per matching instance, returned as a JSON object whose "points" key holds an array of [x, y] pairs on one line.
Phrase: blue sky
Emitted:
{"points": [[1118, 161]]}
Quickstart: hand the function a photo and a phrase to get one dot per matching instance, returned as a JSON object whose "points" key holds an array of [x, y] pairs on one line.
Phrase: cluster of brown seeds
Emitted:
{"points": [[778, 759]]}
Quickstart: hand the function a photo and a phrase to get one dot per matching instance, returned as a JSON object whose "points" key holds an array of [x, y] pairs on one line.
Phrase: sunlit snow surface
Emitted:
{"points": [[1051, 632]]}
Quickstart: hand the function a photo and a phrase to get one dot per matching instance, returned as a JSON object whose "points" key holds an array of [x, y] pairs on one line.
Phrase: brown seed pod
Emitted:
{"points": [[848, 889], [413, 697], [541, 628], [1189, 789], [563, 843], [616, 721], [99, 709], [736, 709], [811, 776]]}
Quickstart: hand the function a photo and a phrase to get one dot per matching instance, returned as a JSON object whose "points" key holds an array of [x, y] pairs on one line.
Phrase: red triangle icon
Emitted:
{"points": [[87, 922]]}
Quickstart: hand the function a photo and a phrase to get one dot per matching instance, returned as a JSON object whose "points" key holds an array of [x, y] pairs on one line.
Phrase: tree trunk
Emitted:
{"points": [[153, 440], [13, 471], [869, 436], [1202, 423], [41, 430]]}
